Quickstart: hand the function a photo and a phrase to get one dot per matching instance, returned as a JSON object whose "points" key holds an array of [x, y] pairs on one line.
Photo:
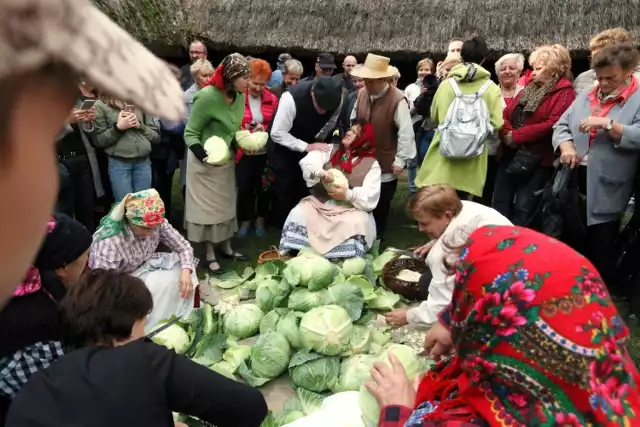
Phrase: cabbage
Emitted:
{"points": [[209, 350], [252, 142], [313, 371], [379, 262], [269, 358], [408, 275], [360, 341], [326, 330], [243, 321], [241, 134], [284, 321], [272, 293], [309, 270], [236, 355], [413, 366], [383, 300], [365, 285], [223, 368], [338, 180], [174, 338], [354, 371], [353, 266], [347, 296], [302, 299], [217, 151]]}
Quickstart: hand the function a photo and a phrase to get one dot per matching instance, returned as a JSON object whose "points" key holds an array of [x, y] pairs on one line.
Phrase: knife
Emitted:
{"points": [[405, 253], [163, 327]]}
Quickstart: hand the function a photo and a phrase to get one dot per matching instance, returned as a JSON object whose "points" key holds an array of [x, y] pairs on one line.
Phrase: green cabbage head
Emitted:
{"points": [[174, 338], [326, 330], [270, 355], [243, 321], [313, 371], [413, 365]]}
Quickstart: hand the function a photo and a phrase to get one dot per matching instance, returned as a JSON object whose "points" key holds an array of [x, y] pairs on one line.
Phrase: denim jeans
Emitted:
{"points": [[421, 148], [514, 195], [129, 176]]}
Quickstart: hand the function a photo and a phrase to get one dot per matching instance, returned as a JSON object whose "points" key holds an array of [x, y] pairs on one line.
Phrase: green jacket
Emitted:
{"points": [[467, 175], [130, 144], [212, 115]]}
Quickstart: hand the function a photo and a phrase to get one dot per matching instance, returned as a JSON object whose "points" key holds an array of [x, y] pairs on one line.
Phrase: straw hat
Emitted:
{"points": [[34, 33], [374, 67]]}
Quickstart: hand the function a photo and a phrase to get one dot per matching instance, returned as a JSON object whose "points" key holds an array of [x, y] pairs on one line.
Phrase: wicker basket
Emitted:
{"points": [[409, 290]]}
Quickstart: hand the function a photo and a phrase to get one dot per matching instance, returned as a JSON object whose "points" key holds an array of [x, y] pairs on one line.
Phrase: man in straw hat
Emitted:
{"points": [[387, 109], [45, 45]]}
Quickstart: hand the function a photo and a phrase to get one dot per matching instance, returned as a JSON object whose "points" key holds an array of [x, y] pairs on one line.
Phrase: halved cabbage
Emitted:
{"points": [[253, 141], [338, 179], [217, 151]]}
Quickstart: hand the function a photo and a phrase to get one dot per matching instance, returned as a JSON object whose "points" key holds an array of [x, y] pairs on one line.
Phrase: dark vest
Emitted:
{"points": [[306, 125]]}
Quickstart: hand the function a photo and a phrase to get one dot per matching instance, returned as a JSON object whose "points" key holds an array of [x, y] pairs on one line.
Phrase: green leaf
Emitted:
{"points": [[250, 378], [230, 279]]}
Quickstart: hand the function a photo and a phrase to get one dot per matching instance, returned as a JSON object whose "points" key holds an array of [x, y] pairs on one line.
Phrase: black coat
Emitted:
{"points": [[138, 384]]}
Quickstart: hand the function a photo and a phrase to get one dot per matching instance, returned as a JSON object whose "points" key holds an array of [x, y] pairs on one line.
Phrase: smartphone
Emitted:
{"points": [[252, 125], [129, 108], [87, 104]]}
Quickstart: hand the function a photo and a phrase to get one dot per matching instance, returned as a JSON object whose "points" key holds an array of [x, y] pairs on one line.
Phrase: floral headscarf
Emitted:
{"points": [[232, 67], [143, 209], [538, 339]]}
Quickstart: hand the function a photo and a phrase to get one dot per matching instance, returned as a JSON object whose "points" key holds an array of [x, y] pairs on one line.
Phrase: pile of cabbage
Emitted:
{"points": [[309, 319]]}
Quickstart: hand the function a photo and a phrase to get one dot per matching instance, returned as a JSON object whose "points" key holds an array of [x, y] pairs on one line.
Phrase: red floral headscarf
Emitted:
{"points": [[538, 339], [363, 146]]}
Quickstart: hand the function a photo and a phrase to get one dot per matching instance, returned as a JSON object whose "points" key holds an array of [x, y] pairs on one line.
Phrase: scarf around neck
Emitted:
{"points": [[538, 339], [532, 95], [363, 146]]}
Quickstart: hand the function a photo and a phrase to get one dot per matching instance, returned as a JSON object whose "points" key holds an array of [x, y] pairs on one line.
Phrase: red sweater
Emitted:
{"points": [[538, 127], [269, 105]]}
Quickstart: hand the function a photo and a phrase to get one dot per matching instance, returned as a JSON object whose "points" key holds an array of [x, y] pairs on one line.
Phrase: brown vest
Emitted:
{"points": [[381, 116]]}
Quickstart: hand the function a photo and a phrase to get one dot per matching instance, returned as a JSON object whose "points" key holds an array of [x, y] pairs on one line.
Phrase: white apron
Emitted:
{"points": [[161, 273]]}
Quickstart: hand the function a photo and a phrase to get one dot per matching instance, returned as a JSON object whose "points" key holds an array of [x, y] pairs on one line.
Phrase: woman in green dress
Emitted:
{"points": [[210, 201]]}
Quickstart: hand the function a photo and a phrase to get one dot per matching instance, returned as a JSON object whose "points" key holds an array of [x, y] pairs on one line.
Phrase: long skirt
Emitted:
{"points": [[161, 274], [294, 237]]}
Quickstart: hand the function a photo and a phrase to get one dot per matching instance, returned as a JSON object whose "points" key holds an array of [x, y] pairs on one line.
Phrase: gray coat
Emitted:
{"points": [[611, 165]]}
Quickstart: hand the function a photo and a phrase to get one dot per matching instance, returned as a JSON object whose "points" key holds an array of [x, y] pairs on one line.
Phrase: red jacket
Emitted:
{"points": [[269, 105], [538, 127]]}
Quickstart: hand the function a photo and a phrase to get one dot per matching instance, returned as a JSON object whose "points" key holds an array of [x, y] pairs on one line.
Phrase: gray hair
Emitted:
{"points": [[293, 66], [518, 57], [200, 65]]}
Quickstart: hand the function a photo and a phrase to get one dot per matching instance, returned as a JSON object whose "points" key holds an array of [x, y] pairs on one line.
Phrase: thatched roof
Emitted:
{"points": [[358, 26]]}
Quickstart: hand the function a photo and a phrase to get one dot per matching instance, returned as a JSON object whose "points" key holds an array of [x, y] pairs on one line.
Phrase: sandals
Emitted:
{"points": [[215, 271], [234, 256]]}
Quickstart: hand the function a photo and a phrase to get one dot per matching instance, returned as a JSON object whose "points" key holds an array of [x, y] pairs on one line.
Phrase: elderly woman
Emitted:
{"points": [[201, 70], [424, 68], [508, 68], [526, 158], [127, 241], [537, 340], [260, 106], [337, 222], [291, 74], [126, 133], [441, 216], [210, 204], [116, 377], [30, 332], [600, 134], [466, 175]]}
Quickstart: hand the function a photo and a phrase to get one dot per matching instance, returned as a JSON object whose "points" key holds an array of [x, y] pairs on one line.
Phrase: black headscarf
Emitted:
{"points": [[65, 242]]}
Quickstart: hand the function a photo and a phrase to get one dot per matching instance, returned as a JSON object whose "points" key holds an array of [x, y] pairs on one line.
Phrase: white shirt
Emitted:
{"points": [[255, 105], [471, 217], [412, 92], [364, 198], [406, 138], [283, 122]]}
